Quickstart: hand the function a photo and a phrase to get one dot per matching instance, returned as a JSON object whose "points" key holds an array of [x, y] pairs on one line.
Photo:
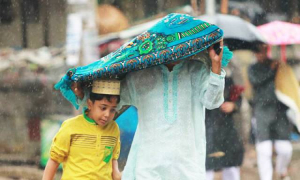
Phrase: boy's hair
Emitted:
{"points": [[94, 97]]}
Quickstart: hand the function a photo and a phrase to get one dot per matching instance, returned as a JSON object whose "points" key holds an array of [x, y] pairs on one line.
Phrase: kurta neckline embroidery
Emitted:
{"points": [[176, 67], [170, 81]]}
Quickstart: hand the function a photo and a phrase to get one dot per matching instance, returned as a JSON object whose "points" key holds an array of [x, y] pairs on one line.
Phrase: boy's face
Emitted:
{"points": [[102, 111]]}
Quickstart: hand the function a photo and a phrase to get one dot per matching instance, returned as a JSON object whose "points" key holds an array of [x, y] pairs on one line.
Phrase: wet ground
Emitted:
{"points": [[248, 170], [249, 167]]}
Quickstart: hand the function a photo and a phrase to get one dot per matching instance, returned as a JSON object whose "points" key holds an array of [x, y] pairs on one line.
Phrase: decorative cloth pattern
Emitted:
{"points": [[175, 37]]}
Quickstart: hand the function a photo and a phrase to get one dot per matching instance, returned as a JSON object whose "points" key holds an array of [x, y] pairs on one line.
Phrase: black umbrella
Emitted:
{"points": [[238, 33]]}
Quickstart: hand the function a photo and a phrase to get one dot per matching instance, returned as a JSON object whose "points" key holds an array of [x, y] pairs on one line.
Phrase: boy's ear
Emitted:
{"points": [[89, 103]]}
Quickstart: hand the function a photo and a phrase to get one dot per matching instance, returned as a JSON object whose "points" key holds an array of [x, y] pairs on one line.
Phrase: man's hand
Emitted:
{"points": [[216, 59], [227, 107], [77, 89]]}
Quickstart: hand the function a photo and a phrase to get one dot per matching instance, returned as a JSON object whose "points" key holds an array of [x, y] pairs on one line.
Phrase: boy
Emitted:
{"points": [[89, 145]]}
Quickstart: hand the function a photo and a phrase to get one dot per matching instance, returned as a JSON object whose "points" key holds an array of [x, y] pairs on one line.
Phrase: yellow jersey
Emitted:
{"points": [[86, 149]]}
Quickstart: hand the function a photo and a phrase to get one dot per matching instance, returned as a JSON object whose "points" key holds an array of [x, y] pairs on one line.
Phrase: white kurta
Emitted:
{"points": [[170, 140]]}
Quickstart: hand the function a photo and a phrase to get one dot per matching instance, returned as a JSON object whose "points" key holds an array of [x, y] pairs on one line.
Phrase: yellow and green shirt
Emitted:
{"points": [[86, 149]]}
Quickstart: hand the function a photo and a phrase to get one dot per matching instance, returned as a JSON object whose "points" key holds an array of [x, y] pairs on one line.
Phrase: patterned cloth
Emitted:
{"points": [[175, 37]]}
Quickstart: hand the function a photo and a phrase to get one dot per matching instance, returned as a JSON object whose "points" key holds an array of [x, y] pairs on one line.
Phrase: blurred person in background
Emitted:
{"points": [[224, 147], [271, 126]]}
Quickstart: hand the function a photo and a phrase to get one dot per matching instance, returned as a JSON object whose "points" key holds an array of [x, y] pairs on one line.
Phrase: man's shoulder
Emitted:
{"points": [[194, 65]]}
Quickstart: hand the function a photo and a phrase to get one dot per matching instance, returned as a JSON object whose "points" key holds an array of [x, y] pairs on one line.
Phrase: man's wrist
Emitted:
{"points": [[216, 67]]}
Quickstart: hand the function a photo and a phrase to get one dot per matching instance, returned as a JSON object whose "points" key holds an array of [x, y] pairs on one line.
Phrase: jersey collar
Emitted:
{"points": [[89, 120]]}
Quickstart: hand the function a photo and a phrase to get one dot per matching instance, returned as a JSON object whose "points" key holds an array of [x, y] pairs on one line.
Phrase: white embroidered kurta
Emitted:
{"points": [[170, 140]]}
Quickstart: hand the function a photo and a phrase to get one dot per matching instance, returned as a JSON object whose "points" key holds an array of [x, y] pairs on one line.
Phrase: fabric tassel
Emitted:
{"points": [[227, 56], [64, 85]]}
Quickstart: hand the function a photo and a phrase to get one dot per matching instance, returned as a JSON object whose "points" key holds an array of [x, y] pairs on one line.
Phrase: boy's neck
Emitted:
{"points": [[87, 116]]}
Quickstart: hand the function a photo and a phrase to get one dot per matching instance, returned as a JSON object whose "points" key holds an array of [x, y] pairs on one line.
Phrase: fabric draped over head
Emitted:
{"points": [[174, 37]]}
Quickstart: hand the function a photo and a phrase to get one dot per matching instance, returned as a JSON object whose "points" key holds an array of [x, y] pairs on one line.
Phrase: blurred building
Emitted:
{"points": [[27, 73], [27, 97], [32, 23]]}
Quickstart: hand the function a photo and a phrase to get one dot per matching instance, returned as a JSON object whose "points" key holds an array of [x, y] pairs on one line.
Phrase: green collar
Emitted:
{"points": [[89, 120]]}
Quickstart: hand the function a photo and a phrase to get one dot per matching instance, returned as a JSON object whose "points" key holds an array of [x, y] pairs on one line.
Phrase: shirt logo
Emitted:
{"points": [[108, 151], [109, 143]]}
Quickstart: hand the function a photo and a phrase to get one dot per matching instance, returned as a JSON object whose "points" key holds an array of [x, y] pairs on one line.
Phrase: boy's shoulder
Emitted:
{"points": [[72, 121], [113, 126]]}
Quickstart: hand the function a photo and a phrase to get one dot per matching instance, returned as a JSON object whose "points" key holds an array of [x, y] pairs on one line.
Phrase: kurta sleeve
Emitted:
{"points": [[211, 89], [117, 149], [60, 144]]}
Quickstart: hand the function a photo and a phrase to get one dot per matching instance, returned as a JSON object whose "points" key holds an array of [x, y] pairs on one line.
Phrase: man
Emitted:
{"points": [[171, 101], [272, 125]]}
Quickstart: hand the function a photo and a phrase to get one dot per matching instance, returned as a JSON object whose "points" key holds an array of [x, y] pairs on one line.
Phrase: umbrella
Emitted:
{"points": [[238, 33], [281, 33], [127, 122], [241, 36]]}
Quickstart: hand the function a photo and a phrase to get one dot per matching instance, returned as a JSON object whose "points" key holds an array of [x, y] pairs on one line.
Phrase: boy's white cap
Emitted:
{"points": [[110, 87]]}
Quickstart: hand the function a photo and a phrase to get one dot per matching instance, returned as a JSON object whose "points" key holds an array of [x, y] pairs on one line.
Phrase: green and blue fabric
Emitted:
{"points": [[175, 37]]}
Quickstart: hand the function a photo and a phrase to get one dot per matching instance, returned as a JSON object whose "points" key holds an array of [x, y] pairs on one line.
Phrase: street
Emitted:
{"points": [[248, 170]]}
